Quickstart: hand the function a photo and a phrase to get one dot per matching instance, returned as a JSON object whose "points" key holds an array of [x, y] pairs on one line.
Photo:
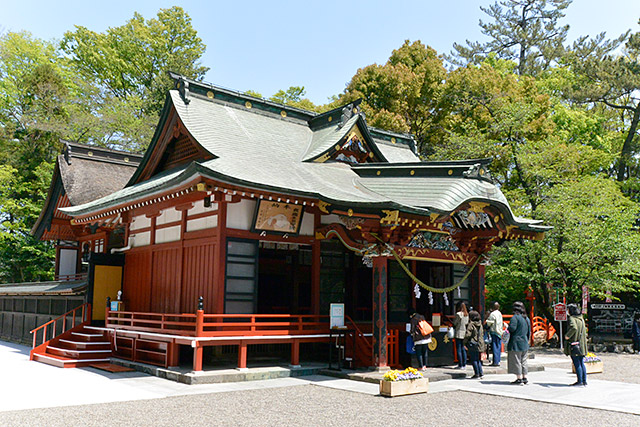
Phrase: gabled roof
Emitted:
{"points": [[44, 288], [82, 173], [266, 146]]}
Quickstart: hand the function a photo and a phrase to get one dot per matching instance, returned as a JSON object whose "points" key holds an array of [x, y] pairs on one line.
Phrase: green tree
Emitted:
{"points": [[127, 70], [403, 95], [294, 96], [611, 80], [525, 31], [133, 60]]}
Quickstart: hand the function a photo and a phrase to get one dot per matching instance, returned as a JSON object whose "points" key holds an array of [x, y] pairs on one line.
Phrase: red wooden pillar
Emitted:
{"points": [[380, 311], [242, 355], [295, 353], [197, 356], [173, 351], [197, 348]]}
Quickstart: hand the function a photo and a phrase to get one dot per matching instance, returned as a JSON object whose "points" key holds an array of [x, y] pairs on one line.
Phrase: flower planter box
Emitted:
{"points": [[592, 367], [400, 388]]}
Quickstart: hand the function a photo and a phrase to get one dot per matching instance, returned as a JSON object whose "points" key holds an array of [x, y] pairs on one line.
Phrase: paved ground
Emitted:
{"points": [[34, 394]]}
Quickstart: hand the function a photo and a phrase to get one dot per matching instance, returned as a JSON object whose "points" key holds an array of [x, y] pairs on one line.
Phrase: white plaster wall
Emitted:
{"points": [[169, 234], [329, 219], [139, 222], [306, 228], [202, 223], [142, 239], [240, 215], [169, 215], [198, 207], [68, 262]]}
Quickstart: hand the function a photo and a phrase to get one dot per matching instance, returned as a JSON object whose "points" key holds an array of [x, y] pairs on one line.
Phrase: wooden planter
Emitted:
{"points": [[400, 388], [592, 367]]}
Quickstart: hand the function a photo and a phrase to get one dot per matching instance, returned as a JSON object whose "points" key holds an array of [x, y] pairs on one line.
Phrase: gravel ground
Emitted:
{"points": [[617, 367], [311, 405]]}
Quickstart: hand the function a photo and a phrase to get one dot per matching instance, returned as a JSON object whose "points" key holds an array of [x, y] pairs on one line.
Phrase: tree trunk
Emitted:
{"points": [[625, 153]]}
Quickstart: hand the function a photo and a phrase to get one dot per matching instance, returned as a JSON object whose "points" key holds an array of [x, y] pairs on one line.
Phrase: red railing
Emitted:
{"points": [[542, 324], [84, 317], [219, 325]]}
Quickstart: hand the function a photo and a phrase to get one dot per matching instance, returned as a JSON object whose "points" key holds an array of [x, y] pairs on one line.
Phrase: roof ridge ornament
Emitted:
{"points": [[477, 171], [67, 152], [183, 88], [347, 113]]}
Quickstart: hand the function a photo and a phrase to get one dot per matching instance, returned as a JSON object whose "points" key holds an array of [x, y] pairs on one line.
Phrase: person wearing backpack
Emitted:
{"points": [[460, 322], [576, 339], [474, 341], [421, 333]]}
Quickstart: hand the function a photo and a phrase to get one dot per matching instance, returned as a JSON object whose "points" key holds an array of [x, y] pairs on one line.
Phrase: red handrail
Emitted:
{"points": [[86, 317], [215, 325]]}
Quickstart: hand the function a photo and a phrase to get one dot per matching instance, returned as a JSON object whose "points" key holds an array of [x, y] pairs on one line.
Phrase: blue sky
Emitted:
{"points": [[270, 45]]}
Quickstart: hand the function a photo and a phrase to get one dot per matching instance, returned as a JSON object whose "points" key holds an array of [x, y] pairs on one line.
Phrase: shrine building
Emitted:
{"points": [[246, 219]]}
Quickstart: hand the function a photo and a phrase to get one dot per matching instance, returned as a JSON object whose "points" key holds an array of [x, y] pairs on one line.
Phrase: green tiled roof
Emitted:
{"points": [[262, 150]]}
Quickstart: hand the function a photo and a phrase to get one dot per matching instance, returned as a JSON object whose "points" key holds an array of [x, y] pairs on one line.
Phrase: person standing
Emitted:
{"points": [[576, 339], [420, 341], [460, 322], [518, 346], [635, 332], [474, 341], [495, 325]]}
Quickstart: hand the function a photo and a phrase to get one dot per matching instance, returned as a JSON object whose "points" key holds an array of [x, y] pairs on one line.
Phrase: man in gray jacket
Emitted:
{"points": [[495, 326]]}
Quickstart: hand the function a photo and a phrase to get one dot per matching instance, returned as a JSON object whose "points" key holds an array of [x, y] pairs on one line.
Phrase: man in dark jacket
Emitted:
{"points": [[518, 346]]}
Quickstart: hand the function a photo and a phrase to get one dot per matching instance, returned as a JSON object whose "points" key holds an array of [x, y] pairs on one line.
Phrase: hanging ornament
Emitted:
{"points": [[430, 298], [416, 291], [446, 299], [459, 293]]}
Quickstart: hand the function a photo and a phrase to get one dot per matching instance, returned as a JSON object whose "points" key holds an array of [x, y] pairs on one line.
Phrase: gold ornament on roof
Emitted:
{"points": [[210, 95]]}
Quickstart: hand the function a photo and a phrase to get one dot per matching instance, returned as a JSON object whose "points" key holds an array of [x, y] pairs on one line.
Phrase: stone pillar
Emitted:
{"points": [[379, 340]]}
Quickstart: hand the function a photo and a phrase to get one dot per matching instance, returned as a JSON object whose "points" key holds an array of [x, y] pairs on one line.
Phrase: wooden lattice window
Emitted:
{"points": [[179, 151]]}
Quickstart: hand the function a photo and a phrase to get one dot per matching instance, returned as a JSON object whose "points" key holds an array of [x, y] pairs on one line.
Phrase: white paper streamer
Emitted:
{"points": [[416, 291]]}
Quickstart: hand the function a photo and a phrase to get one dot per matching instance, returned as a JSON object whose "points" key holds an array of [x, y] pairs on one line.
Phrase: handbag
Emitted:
{"points": [[574, 349], [473, 345], [505, 336]]}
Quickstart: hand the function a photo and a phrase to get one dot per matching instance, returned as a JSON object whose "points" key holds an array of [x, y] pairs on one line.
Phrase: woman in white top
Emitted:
{"points": [[460, 324]]}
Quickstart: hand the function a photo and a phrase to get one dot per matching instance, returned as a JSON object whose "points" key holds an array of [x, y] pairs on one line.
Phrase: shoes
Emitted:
{"points": [[584, 384], [424, 368], [517, 382], [577, 383], [525, 381], [460, 367], [481, 377], [494, 364], [474, 377]]}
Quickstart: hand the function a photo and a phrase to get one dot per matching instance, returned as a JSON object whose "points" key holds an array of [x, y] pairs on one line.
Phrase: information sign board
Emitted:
{"points": [[560, 312], [336, 315]]}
